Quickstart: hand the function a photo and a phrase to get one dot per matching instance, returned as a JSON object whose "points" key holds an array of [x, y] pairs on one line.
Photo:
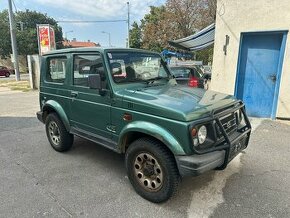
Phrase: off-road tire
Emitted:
{"points": [[65, 138], [165, 160]]}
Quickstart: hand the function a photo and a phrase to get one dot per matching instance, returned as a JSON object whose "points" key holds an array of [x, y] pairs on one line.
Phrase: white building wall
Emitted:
{"points": [[236, 16]]}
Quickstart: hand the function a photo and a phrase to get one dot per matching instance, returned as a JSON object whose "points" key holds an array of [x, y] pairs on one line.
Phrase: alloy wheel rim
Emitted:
{"points": [[148, 172], [54, 134]]}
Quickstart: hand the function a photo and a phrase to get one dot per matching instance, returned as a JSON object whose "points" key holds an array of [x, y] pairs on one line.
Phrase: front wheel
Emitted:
{"points": [[152, 170], [7, 74], [60, 139]]}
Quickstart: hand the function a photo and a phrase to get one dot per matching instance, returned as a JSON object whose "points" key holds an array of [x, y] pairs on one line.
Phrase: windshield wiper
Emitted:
{"points": [[152, 80], [135, 80]]}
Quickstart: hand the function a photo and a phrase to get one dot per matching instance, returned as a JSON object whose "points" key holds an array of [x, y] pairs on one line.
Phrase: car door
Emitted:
{"points": [[90, 108]]}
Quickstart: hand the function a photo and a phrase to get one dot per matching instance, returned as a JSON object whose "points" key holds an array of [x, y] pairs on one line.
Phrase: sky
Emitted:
{"points": [[90, 10]]}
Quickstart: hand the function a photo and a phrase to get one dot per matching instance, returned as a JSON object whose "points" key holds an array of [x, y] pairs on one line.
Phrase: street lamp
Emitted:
{"points": [[109, 34], [65, 34]]}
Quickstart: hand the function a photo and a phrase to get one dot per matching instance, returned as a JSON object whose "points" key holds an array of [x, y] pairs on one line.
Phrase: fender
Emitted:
{"points": [[155, 131], [59, 110]]}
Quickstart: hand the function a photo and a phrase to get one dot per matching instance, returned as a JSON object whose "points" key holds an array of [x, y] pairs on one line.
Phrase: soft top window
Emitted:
{"points": [[56, 70]]}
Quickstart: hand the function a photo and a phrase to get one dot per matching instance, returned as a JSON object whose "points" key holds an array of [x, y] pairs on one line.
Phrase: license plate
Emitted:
{"points": [[236, 148]]}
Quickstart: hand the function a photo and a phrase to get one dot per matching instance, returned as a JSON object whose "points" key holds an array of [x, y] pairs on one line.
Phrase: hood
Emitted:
{"points": [[174, 101]]}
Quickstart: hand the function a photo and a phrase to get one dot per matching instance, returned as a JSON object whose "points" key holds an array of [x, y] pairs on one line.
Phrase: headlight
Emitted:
{"points": [[201, 134]]}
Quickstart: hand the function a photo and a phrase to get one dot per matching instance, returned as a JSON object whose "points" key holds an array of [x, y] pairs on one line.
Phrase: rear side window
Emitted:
{"points": [[197, 72], [56, 70], [180, 72], [85, 65]]}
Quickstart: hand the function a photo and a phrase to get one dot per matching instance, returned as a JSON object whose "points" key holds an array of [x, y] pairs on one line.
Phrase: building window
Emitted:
{"points": [[57, 70], [85, 65]]}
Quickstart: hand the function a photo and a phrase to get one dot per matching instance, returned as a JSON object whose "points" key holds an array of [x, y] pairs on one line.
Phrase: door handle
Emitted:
{"points": [[74, 94], [273, 78]]}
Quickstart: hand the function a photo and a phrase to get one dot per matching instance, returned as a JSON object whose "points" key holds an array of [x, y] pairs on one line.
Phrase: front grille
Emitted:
{"points": [[229, 122]]}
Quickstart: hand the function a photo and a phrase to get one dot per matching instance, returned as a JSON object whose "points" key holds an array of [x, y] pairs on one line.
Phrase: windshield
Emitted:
{"points": [[137, 66]]}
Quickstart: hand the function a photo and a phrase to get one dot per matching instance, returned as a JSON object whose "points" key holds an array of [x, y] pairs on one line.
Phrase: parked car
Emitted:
{"points": [[127, 100], [4, 71], [190, 75]]}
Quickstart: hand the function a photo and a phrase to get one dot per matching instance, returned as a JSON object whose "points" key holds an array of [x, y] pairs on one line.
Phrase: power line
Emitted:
{"points": [[14, 6], [90, 21], [20, 5]]}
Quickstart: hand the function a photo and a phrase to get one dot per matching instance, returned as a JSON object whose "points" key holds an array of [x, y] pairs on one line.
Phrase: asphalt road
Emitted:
{"points": [[90, 181]]}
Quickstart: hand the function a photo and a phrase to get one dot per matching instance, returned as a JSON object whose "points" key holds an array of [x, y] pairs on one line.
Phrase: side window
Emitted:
{"points": [[85, 65], [197, 73], [56, 70]]}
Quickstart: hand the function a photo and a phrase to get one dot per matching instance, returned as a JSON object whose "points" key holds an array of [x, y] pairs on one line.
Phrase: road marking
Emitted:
{"points": [[207, 198]]}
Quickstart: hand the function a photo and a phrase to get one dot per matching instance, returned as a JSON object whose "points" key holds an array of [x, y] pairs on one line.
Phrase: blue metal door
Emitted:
{"points": [[258, 72]]}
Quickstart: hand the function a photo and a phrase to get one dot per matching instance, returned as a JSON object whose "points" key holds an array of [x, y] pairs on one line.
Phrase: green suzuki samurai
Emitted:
{"points": [[128, 101]]}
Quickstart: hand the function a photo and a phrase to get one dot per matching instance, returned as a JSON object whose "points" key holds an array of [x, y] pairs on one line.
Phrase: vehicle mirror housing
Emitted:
{"points": [[94, 81]]}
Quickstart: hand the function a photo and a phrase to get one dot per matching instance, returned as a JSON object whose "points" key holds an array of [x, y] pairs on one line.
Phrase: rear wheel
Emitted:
{"points": [[7, 74], [59, 138], [152, 170]]}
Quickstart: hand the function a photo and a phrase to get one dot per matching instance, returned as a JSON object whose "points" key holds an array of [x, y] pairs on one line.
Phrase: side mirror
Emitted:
{"points": [[94, 81]]}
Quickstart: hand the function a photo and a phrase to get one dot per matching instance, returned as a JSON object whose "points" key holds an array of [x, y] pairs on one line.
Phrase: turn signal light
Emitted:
{"points": [[127, 117], [193, 132]]}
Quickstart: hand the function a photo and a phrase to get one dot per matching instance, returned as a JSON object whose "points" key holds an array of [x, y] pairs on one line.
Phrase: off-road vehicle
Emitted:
{"points": [[128, 101]]}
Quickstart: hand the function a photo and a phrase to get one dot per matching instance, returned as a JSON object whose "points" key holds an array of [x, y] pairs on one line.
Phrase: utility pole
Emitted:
{"points": [[13, 40], [128, 41]]}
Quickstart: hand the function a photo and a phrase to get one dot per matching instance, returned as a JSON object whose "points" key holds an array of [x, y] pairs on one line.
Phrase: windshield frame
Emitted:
{"points": [[145, 53]]}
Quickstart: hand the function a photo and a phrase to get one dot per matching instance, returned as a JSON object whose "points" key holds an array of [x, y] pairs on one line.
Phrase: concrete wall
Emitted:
{"points": [[34, 70], [236, 16]]}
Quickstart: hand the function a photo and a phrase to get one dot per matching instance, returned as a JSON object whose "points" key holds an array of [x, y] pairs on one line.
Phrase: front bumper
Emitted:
{"points": [[220, 155], [198, 164]]}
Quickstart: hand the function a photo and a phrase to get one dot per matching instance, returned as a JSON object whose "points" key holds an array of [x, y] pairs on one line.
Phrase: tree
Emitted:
{"points": [[5, 40], [211, 11], [185, 15], [209, 15], [26, 38], [205, 55], [174, 20], [135, 36], [154, 29], [190, 16]]}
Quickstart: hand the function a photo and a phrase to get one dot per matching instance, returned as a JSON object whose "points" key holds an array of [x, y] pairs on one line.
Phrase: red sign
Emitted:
{"points": [[52, 39], [46, 38]]}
